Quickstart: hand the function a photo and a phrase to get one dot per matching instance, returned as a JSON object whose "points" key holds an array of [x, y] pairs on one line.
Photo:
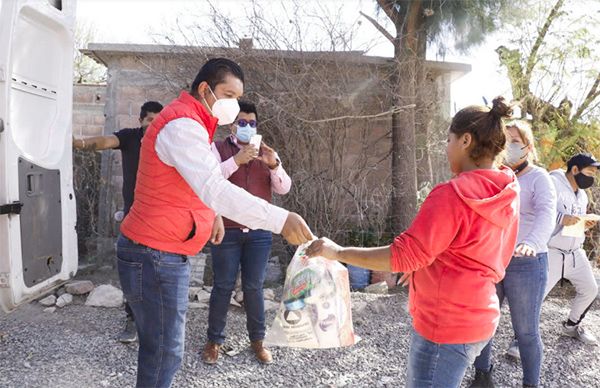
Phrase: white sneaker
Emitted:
{"points": [[579, 333], [513, 351]]}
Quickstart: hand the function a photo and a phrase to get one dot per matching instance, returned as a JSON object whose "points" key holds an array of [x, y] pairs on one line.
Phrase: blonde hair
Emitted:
{"points": [[526, 135]]}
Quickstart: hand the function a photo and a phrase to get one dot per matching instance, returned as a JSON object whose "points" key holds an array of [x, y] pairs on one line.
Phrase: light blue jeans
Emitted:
{"points": [[523, 286], [432, 365]]}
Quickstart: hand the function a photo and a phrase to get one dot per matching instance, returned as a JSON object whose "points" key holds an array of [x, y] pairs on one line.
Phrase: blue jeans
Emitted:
{"points": [[155, 284], [523, 286], [432, 365], [250, 251]]}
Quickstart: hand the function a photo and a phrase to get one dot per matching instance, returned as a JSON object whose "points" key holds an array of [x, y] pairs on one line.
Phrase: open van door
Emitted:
{"points": [[38, 242]]}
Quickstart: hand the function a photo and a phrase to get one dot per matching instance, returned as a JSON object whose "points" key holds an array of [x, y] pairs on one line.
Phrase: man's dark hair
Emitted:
{"points": [[248, 107], [150, 107], [214, 72], [581, 160]]}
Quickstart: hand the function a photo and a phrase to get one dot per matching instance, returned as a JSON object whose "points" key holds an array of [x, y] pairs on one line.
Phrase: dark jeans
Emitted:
{"points": [[155, 284], [250, 251], [523, 286], [127, 307]]}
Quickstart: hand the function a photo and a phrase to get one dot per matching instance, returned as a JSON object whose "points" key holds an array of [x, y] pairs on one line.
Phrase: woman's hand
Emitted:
{"points": [[218, 231], [404, 280], [524, 250], [324, 247]]}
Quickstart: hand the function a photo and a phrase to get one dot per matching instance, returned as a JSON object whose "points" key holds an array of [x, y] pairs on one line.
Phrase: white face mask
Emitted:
{"points": [[225, 109], [515, 154]]}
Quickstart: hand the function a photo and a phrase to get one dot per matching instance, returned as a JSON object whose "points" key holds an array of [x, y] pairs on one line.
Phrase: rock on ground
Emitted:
{"points": [[239, 296], [79, 287], [50, 300], [269, 294], [105, 295], [377, 288], [271, 305], [64, 300]]}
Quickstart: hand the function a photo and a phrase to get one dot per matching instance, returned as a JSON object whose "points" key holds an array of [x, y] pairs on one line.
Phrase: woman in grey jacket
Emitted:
{"points": [[526, 275]]}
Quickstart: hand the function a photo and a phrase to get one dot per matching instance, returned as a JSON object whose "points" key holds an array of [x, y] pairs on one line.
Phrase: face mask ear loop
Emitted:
{"points": [[526, 156], [206, 102], [211, 92]]}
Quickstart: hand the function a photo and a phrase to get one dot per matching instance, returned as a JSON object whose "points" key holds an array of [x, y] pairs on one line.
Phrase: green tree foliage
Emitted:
{"points": [[552, 64]]}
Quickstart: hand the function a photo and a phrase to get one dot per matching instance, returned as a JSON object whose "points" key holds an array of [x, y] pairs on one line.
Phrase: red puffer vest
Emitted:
{"points": [[254, 177], [166, 214]]}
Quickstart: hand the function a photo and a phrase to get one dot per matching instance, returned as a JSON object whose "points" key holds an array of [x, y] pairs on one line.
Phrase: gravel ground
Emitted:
{"points": [[76, 347]]}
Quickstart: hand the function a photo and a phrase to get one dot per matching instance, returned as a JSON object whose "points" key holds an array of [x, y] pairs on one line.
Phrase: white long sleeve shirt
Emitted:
{"points": [[183, 144]]}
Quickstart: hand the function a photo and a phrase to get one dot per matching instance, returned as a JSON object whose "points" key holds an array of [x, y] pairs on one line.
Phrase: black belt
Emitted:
{"points": [[563, 254]]}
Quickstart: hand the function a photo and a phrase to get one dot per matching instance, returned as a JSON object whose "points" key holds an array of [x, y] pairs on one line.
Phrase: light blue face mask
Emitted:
{"points": [[244, 134]]}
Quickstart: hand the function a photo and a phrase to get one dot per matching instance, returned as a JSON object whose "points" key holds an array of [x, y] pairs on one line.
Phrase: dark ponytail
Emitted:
{"points": [[485, 125]]}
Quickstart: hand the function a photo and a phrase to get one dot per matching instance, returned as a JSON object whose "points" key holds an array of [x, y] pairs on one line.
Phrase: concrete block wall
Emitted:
{"points": [[88, 109]]}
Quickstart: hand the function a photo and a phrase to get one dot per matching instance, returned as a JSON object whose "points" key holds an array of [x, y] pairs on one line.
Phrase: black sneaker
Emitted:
{"points": [[129, 334], [483, 379]]}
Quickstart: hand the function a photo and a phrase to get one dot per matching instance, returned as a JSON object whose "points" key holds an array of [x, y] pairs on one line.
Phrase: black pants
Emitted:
{"points": [[128, 311]]}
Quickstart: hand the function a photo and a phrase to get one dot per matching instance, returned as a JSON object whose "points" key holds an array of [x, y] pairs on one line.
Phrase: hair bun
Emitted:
{"points": [[500, 108]]}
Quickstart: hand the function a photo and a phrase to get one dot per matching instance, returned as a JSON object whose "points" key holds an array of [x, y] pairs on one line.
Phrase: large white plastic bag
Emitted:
{"points": [[315, 310]]}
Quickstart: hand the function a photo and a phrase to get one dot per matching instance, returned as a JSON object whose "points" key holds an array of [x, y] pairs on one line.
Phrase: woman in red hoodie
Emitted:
{"points": [[457, 249]]}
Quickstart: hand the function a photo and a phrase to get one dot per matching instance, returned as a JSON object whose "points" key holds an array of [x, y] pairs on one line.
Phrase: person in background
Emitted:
{"points": [[566, 257], [129, 142], [259, 172], [457, 250], [526, 275]]}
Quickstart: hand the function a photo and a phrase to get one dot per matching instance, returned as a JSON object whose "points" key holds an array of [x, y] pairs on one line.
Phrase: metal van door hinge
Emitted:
{"points": [[11, 208]]}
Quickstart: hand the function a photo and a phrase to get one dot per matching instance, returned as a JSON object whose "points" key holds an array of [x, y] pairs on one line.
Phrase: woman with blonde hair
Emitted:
{"points": [[526, 275]]}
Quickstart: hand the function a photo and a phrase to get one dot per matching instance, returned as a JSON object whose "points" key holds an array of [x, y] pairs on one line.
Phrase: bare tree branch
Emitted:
{"points": [[592, 95], [379, 27], [532, 59]]}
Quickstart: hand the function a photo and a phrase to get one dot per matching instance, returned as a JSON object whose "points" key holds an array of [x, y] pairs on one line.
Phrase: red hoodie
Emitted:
{"points": [[458, 246]]}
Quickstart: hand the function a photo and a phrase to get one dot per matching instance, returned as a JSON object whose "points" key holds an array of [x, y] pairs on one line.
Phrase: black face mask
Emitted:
{"points": [[583, 181]]}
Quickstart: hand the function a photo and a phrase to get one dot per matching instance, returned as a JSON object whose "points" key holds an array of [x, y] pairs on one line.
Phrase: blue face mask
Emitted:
{"points": [[244, 134]]}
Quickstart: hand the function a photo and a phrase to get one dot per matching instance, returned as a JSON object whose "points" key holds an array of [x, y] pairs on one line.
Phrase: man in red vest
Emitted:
{"points": [[260, 173], [179, 188]]}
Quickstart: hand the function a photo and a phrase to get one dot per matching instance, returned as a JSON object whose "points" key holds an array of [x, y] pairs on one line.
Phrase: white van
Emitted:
{"points": [[38, 242]]}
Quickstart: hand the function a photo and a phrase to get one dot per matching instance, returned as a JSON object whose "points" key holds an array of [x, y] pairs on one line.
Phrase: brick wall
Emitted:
{"points": [[88, 109]]}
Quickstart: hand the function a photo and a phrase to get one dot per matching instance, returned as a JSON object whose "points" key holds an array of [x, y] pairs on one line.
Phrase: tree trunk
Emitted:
{"points": [[424, 114], [404, 179], [404, 171]]}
